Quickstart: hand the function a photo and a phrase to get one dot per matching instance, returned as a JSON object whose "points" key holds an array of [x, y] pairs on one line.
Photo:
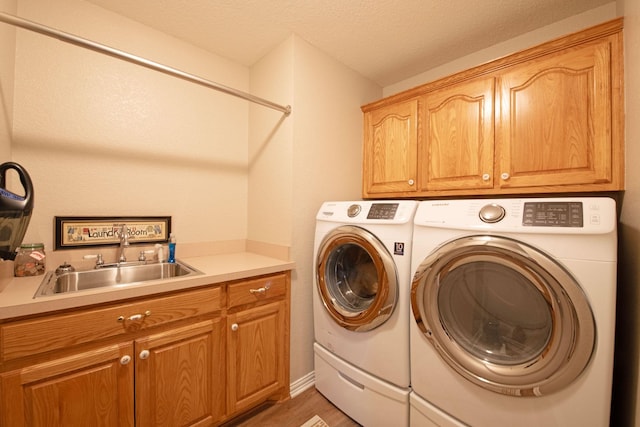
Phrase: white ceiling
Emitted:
{"points": [[384, 40]]}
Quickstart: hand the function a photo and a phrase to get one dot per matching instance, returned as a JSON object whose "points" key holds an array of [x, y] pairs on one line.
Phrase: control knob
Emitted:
{"points": [[492, 213], [353, 210]]}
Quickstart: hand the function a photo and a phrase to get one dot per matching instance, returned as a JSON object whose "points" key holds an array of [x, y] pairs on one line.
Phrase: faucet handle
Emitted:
{"points": [[97, 257], [143, 254]]}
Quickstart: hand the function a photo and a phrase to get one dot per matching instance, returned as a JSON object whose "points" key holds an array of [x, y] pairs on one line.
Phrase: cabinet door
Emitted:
{"points": [[91, 388], [457, 148], [257, 353], [391, 148], [180, 377], [555, 120]]}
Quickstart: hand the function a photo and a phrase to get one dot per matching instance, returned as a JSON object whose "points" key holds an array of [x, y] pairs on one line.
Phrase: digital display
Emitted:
{"points": [[553, 214], [383, 211]]}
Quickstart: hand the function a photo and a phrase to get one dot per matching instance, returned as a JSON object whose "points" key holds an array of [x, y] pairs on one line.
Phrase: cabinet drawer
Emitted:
{"points": [[28, 337], [256, 290]]}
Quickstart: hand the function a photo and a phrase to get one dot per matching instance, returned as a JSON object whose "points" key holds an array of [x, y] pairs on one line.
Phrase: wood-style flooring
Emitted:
{"points": [[295, 412]]}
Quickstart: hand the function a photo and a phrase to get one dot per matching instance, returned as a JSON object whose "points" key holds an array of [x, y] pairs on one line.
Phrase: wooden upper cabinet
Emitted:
{"points": [[555, 120], [391, 148], [458, 142], [549, 119]]}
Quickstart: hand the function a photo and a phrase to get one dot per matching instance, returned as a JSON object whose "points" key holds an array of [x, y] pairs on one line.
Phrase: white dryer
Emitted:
{"points": [[361, 308], [513, 312]]}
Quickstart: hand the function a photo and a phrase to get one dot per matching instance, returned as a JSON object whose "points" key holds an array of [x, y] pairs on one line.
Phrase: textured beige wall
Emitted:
{"points": [[100, 136], [7, 59], [626, 384], [271, 149]]}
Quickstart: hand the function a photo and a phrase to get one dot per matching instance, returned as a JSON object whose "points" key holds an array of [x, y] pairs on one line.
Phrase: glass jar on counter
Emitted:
{"points": [[31, 260]]}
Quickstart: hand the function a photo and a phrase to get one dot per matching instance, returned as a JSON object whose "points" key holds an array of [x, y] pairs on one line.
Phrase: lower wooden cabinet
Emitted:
{"points": [[256, 359], [89, 388], [199, 358], [180, 376], [257, 341]]}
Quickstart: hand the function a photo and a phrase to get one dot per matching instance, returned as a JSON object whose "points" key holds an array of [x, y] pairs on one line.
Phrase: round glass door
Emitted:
{"points": [[504, 315], [356, 278]]}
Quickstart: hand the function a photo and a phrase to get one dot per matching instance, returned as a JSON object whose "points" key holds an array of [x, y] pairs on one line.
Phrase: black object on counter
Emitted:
{"points": [[15, 211]]}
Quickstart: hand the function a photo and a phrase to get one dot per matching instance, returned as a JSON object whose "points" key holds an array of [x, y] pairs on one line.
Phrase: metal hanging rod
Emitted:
{"points": [[88, 44]]}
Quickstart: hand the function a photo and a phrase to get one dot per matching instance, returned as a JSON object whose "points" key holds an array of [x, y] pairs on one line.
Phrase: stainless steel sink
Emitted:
{"points": [[53, 284]]}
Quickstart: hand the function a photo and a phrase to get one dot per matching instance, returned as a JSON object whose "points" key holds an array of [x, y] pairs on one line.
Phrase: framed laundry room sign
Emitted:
{"points": [[75, 232]]}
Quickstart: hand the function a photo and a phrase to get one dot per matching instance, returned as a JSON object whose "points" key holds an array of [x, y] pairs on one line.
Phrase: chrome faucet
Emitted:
{"points": [[124, 243]]}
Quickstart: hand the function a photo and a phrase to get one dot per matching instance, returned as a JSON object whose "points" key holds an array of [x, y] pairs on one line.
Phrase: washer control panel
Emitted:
{"points": [[382, 211], [553, 214], [391, 212], [561, 215]]}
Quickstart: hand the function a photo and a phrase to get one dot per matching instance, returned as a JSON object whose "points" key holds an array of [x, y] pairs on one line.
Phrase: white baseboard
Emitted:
{"points": [[302, 384]]}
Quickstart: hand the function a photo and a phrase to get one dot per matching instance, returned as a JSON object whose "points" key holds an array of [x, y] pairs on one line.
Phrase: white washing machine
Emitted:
{"points": [[361, 308], [513, 312]]}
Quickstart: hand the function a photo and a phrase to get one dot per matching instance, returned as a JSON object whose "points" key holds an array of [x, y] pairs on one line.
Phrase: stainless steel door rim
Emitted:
{"points": [[504, 315], [356, 278]]}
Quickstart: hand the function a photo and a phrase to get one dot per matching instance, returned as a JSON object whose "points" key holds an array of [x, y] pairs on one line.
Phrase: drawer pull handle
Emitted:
{"points": [[135, 317], [124, 360], [144, 354], [234, 327], [262, 290]]}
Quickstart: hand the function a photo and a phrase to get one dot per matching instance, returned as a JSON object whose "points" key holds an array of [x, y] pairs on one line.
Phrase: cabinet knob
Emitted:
{"points": [[411, 182], [124, 360], [486, 177], [234, 327], [144, 354], [504, 176]]}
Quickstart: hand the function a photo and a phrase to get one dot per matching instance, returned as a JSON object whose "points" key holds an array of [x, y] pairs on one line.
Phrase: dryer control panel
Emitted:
{"points": [[553, 214], [562, 215]]}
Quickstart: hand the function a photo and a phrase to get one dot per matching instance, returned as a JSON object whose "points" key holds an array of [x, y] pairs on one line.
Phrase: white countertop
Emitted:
{"points": [[16, 294]]}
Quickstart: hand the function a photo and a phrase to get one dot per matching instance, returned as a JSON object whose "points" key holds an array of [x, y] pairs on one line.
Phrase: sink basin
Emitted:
{"points": [[105, 277]]}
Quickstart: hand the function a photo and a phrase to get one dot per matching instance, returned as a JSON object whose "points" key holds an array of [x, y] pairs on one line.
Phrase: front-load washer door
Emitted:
{"points": [[357, 278], [504, 315]]}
